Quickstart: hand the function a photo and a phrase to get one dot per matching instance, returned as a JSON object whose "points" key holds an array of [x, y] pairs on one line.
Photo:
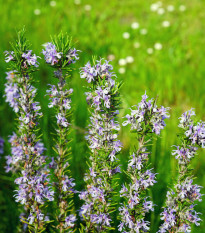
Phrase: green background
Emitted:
{"points": [[175, 74]]}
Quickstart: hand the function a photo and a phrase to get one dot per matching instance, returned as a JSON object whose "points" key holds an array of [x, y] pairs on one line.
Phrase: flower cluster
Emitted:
{"points": [[27, 58], [137, 118], [178, 213], [1, 145], [103, 99], [34, 188], [147, 120], [53, 57], [12, 91], [60, 98], [13, 162], [93, 73], [60, 101], [27, 151], [17, 96]]}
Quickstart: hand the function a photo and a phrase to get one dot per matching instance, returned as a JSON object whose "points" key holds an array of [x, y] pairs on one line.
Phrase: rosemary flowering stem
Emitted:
{"points": [[59, 55], [178, 213], [103, 100], [146, 120], [27, 160]]}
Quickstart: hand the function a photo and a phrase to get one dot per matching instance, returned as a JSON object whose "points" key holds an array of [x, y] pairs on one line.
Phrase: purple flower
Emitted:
{"points": [[147, 111], [12, 91], [88, 72], [91, 73], [50, 54], [72, 55], [10, 56], [61, 120], [186, 119], [1, 145], [30, 59], [70, 221]]}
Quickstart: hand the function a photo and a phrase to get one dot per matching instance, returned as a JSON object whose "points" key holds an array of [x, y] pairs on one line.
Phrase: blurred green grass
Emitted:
{"points": [[175, 74]]}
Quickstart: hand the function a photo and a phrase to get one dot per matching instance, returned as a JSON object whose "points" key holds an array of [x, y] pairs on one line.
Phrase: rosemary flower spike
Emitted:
{"points": [[27, 160], [60, 55], [103, 100], [178, 213], [146, 120]]}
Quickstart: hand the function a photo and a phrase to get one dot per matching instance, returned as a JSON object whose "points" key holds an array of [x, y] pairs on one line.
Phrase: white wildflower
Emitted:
{"points": [[165, 24], [111, 57], [122, 62], [136, 45], [143, 31], [160, 11], [154, 7], [150, 50], [158, 46], [77, 2], [122, 70], [135, 25], [126, 35], [88, 7], [37, 11], [52, 3], [170, 8], [129, 59], [182, 8]]}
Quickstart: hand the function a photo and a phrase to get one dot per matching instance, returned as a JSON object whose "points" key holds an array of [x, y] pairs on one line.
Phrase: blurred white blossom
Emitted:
{"points": [[122, 70], [88, 7], [122, 62], [143, 31], [160, 11], [126, 35], [170, 8], [135, 25], [37, 11], [111, 57], [158, 46], [136, 45], [52, 3], [155, 6], [165, 24], [150, 50], [182, 8], [77, 2], [129, 59]]}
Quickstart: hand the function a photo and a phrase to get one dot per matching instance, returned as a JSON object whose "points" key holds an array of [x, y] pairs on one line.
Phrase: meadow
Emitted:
{"points": [[154, 48]]}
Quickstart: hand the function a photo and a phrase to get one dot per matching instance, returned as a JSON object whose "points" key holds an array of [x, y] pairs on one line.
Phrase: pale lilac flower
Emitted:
{"points": [[70, 221], [1, 145], [61, 120], [50, 54], [10, 56]]}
